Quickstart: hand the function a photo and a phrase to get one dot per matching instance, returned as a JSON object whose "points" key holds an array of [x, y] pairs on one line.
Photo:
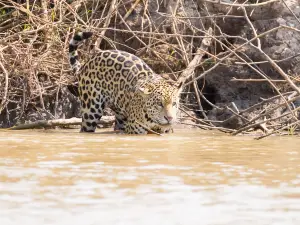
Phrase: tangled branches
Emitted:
{"points": [[239, 60]]}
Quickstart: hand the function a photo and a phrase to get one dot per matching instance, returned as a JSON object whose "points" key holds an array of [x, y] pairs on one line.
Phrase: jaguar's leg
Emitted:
{"points": [[92, 111], [120, 123], [134, 128], [170, 130], [162, 130]]}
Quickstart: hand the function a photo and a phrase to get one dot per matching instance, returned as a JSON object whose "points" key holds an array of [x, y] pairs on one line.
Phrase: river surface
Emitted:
{"points": [[191, 177]]}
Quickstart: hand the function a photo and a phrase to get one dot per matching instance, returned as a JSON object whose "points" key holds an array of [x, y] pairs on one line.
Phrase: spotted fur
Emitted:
{"points": [[141, 99]]}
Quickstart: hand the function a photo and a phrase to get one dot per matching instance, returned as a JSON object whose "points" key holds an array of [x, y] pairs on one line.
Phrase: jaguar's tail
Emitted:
{"points": [[73, 45]]}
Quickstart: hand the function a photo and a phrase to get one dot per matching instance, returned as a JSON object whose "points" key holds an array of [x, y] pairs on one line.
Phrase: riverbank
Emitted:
{"points": [[247, 78]]}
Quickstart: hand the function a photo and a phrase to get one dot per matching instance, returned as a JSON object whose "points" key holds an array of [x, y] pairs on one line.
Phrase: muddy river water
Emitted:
{"points": [[191, 177]]}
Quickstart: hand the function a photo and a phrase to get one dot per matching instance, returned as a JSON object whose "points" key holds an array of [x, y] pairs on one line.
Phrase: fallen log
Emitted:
{"points": [[106, 121]]}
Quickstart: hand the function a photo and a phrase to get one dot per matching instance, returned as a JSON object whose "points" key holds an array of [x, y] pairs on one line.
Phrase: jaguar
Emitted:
{"points": [[142, 100]]}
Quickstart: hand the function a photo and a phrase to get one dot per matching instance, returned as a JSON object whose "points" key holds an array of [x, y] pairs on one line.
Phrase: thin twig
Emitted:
{"points": [[189, 71], [256, 80], [279, 129], [242, 5], [110, 14], [148, 129]]}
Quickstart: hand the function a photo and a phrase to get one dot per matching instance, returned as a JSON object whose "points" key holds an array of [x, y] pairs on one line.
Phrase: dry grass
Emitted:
{"points": [[34, 40]]}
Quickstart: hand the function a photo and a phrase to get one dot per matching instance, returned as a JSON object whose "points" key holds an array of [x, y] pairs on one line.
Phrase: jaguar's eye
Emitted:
{"points": [[174, 104], [160, 104]]}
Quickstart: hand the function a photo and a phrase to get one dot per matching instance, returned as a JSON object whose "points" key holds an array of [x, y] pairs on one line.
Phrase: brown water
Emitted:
{"points": [[186, 178]]}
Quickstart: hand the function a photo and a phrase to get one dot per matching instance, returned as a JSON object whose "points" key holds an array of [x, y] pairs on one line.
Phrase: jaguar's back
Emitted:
{"points": [[115, 71]]}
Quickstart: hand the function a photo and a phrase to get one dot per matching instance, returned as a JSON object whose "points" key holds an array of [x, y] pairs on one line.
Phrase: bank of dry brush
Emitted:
{"points": [[207, 43]]}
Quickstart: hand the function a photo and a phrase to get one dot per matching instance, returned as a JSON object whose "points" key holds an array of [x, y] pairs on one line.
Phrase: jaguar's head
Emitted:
{"points": [[161, 102]]}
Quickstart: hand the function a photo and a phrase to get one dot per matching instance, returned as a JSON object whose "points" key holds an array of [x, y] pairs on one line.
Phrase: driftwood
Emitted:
{"points": [[106, 121]]}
